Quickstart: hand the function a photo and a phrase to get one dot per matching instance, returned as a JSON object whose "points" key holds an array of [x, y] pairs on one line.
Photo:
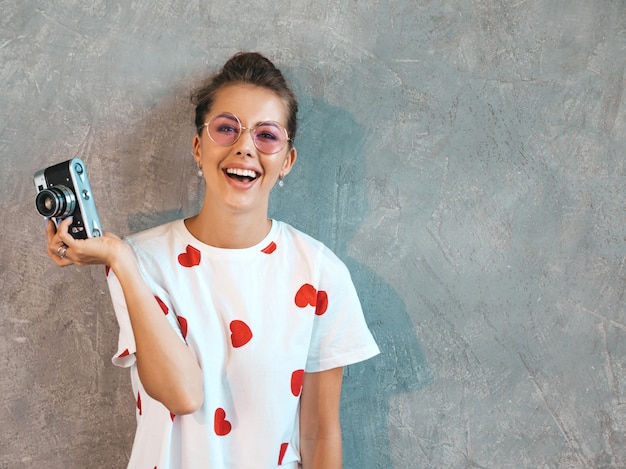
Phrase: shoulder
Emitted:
{"points": [[298, 240], [315, 250], [155, 245], [292, 234]]}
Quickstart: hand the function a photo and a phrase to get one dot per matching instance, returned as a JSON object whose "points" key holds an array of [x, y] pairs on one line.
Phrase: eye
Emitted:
{"points": [[268, 132], [226, 128], [225, 124], [266, 136]]}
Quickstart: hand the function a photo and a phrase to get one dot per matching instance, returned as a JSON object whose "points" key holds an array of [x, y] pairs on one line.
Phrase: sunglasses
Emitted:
{"points": [[225, 129]]}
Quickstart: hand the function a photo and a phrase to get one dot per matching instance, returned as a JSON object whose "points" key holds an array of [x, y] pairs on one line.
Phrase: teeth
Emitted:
{"points": [[242, 172]]}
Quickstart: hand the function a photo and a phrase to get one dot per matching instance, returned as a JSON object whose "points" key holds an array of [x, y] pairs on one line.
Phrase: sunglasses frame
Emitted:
{"points": [[242, 128]]}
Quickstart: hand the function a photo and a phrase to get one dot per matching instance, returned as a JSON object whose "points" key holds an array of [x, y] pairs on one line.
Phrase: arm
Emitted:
{"points": [[320, 428], [167, 368]]}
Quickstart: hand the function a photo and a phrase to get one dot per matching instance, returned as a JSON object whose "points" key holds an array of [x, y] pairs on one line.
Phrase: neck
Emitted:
{"points": [[228, 231]]}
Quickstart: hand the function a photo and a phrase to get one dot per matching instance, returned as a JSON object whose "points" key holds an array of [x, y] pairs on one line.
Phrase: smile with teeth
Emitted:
{"points": [[242, 173]]}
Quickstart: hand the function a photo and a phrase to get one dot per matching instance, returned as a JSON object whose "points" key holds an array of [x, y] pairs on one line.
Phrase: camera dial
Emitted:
{"points": [[58, 201]]}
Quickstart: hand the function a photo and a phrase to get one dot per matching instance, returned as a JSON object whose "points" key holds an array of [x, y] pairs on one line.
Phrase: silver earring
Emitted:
{"points": [[280, 182]]}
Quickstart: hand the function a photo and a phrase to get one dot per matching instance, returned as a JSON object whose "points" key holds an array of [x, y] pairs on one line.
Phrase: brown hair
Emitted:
{"points": [[251, 68]]}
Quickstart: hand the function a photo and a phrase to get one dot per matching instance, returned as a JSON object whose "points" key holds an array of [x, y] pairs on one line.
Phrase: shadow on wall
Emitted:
{"points": [[325, 196]]}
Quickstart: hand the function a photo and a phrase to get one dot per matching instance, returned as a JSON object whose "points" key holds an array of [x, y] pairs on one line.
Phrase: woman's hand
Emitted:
{"points": [[64, 250]]}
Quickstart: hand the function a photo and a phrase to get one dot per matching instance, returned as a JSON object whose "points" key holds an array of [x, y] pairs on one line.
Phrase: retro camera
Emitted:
{"points": [[63, 190]]}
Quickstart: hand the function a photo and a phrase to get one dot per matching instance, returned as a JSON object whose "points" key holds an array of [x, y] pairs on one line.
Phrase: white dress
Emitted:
{"points": [[256, 319]]}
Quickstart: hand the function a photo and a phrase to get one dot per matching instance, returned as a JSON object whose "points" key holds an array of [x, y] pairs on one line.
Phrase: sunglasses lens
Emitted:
{"points": [[224, 129], [269, 137]]}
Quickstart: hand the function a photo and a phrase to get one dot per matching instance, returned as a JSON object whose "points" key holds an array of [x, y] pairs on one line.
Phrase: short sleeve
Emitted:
{"points": [[125, 354], [340, 335], [126, 348]]}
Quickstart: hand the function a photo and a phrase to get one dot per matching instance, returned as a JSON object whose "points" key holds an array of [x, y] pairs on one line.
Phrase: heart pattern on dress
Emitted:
{"points": [[321, 304], [163, 306], [297, 378], [306, 295], [270, 248], [189, 258], [240, 333], [281, 454], [221, 425], [183, 326]]}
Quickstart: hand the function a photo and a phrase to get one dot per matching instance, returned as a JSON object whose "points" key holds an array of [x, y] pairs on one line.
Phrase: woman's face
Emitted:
{"points": [[249, 190]]}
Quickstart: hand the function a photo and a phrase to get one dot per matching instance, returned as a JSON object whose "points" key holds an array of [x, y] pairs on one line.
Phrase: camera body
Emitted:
{"points": [[63, 190]]}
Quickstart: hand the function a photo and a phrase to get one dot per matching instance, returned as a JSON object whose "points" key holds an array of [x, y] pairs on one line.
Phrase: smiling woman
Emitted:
{"points": [[235, 327], [239, 175]]}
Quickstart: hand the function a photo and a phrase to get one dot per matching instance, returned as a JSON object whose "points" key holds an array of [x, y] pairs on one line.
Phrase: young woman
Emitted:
{"points": [[235, 327]]}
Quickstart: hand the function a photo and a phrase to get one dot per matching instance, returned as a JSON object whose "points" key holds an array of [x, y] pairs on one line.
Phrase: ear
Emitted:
{"points": [[290, 159], [195, 143]]}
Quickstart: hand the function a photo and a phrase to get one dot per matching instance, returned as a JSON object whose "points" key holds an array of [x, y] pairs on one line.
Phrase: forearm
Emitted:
{"points": [[321, 453], [167, 368], [320, 427]]}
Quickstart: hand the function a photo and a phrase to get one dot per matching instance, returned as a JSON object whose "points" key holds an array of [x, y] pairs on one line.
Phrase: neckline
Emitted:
{"points": [[228, 252]]}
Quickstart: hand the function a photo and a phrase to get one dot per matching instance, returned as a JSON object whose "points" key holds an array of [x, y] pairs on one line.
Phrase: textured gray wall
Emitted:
{"points": [[465, 158]]}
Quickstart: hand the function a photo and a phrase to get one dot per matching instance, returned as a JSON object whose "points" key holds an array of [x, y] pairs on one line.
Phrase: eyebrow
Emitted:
{"points": [[228, 115], [233, 117]]}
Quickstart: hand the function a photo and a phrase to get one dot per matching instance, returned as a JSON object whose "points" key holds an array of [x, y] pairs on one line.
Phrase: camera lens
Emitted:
{"points": [[58, 201]]}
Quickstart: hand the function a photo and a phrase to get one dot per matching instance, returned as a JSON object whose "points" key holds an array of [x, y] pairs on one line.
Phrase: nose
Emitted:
{"points": [[245, 143]]}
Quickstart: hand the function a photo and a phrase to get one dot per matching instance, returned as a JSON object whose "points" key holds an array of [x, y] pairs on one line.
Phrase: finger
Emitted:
{"points": [[61, 251], [53, 241], [51, 230], [63, 231], [58, 255]]}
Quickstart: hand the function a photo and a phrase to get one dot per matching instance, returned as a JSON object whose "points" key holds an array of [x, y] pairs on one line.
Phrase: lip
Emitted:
{"points": [[237, 183]]}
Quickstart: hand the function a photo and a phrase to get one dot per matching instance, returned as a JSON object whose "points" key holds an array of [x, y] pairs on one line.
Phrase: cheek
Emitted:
{"points": [[208, 150], [282, 166]]}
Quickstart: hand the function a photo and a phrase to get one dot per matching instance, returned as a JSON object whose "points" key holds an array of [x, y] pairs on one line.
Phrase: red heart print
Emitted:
{"points": [[270, 248], [307, 295], [321, 304], [125, 353], [139, 402], [163, 306], [281, 455], [107, 269], [221, 425], [183, 326], [190, 257], [240, 333], [172, 416], [297, 377]]}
